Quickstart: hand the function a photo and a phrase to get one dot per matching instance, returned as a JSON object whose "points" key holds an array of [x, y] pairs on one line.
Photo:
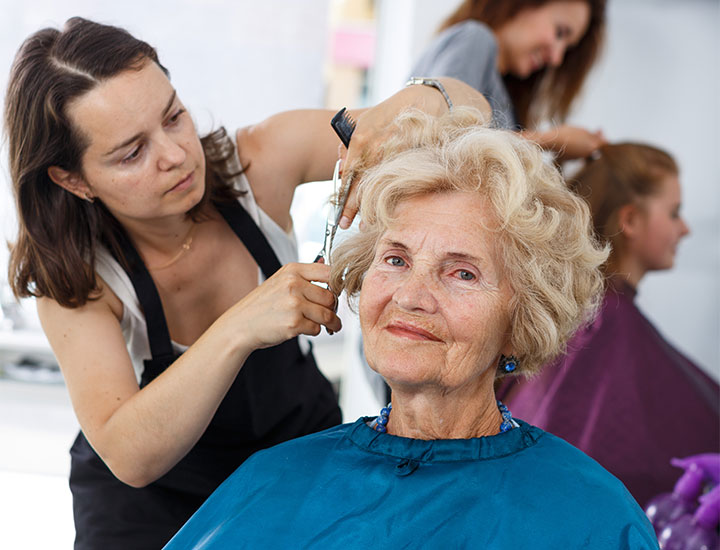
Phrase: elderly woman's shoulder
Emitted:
{"points": [[558, 458]]}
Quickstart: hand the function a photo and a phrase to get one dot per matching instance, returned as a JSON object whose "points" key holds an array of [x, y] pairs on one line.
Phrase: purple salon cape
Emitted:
{"points": [[625, 396]]}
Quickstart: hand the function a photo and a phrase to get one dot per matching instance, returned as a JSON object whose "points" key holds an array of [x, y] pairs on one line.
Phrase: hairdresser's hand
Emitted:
{"points": [[568, 142], [366, 149], [284, 306]]}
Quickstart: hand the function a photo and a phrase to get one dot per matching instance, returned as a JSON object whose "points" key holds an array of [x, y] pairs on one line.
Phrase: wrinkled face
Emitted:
{"points": [[659, 227], [434, 306], [538, 37], [144, 158]]}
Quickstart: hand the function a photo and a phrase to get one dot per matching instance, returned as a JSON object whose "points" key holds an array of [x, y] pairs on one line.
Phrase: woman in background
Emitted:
{"points": [[147, 249], [529, 58], [622, 393]]}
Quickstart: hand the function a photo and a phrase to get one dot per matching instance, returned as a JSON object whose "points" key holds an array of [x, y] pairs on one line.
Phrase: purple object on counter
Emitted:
{"points": [[709, 463], [685, 534], [625, 396], [667, 507], [696, 532]]}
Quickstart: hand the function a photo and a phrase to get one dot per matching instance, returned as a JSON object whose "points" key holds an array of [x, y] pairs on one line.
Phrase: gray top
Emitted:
{"points": [[468, 51]]}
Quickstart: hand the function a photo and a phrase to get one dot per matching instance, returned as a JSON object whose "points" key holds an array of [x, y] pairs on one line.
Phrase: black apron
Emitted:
{"points": [[279, 394]]}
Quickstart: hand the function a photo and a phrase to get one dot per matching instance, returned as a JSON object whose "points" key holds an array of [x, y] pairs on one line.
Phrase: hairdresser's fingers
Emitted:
{"points": [[320, 316], [356, 160], [351, 209], [366, 149], [352, 205], [320, 296]]}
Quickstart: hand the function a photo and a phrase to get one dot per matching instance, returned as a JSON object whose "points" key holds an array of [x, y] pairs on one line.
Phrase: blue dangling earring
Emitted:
{"points": [[507, 364]]}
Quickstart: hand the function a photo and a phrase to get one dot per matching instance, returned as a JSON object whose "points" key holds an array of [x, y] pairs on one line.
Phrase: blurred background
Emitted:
{"points": [[236, 62]]}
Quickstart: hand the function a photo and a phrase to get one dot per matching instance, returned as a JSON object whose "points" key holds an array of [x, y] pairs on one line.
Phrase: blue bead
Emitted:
{"points": [[506, 425]]}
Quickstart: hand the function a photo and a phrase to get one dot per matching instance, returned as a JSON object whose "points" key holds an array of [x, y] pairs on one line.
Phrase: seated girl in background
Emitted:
{"points": [[622, 393]]}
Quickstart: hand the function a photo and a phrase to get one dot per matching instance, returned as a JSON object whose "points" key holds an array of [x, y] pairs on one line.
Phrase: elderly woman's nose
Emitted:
{"points": [[170, 153], [416, 292]]}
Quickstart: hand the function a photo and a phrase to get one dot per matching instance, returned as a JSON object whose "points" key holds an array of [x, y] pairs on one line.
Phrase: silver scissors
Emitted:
{"points": [[337, 205]]}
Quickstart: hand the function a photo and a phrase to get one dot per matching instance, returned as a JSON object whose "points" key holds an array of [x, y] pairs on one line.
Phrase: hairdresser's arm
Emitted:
{"points": [[567, 142], [300, 146], [141, 434]]}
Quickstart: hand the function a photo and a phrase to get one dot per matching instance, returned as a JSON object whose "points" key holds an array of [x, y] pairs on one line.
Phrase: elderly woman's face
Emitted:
{"points": [[434, 306]]}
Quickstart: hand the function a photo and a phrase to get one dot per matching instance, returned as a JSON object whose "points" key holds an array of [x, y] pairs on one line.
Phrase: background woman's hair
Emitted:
{"points": [[58, 233], [548, 93], [544, 238], [620, 174]]}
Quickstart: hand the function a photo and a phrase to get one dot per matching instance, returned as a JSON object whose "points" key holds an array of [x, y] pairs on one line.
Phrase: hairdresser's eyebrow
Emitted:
{"points": [[139, 135]]}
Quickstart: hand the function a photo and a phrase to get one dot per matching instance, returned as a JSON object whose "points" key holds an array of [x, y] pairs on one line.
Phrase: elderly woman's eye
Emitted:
{"points": [[466, 275], [395, 260]]}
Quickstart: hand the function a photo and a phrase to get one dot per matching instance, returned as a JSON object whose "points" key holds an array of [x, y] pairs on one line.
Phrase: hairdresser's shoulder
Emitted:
{"points": [[470, 32]]}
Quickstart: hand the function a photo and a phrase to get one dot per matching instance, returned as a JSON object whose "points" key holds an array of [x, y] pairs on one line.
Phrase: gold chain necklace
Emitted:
{"points": [[183, 248]]}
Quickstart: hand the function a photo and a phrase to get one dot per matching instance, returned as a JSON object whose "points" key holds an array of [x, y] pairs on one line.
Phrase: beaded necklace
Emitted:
{"points": [[380, 423]]}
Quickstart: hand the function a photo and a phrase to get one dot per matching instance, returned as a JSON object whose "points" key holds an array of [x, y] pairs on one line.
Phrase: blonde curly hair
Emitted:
{"points": [[544, 234]]}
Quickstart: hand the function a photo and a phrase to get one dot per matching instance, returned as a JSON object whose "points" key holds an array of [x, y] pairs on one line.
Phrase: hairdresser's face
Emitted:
{"points": [[659, 227], [538, 37], [144, 159]]}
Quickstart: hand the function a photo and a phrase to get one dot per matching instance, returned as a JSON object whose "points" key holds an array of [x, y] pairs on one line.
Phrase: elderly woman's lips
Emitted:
{"points": [[411, 331]]}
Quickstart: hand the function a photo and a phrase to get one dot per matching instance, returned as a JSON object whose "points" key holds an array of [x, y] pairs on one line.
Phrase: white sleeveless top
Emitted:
{"points": [[133, 324]]}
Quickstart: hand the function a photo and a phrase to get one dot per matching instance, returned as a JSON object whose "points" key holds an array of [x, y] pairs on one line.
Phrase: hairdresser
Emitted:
{"points": [[147, 248]]}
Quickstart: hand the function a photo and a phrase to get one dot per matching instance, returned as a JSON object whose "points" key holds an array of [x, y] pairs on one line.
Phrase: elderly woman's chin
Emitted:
{"points": [[412, 367]]}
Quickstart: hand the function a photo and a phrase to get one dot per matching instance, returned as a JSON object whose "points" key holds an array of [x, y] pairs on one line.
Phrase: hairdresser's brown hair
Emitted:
{"points": [[620, 174], [58, 233], [548, 93]]}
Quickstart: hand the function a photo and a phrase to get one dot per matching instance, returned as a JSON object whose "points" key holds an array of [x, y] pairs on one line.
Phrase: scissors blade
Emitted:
{"points": [[336, 210]]}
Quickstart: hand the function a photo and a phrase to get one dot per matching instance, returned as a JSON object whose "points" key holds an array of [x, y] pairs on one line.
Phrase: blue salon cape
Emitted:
{"points": [[352, 487]]}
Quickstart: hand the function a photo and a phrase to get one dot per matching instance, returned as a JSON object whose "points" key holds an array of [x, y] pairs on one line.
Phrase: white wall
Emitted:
{"points": [[658, 82]]}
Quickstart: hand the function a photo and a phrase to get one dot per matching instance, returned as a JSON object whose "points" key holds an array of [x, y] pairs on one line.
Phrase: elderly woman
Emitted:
{"points": [[473, 261]]}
